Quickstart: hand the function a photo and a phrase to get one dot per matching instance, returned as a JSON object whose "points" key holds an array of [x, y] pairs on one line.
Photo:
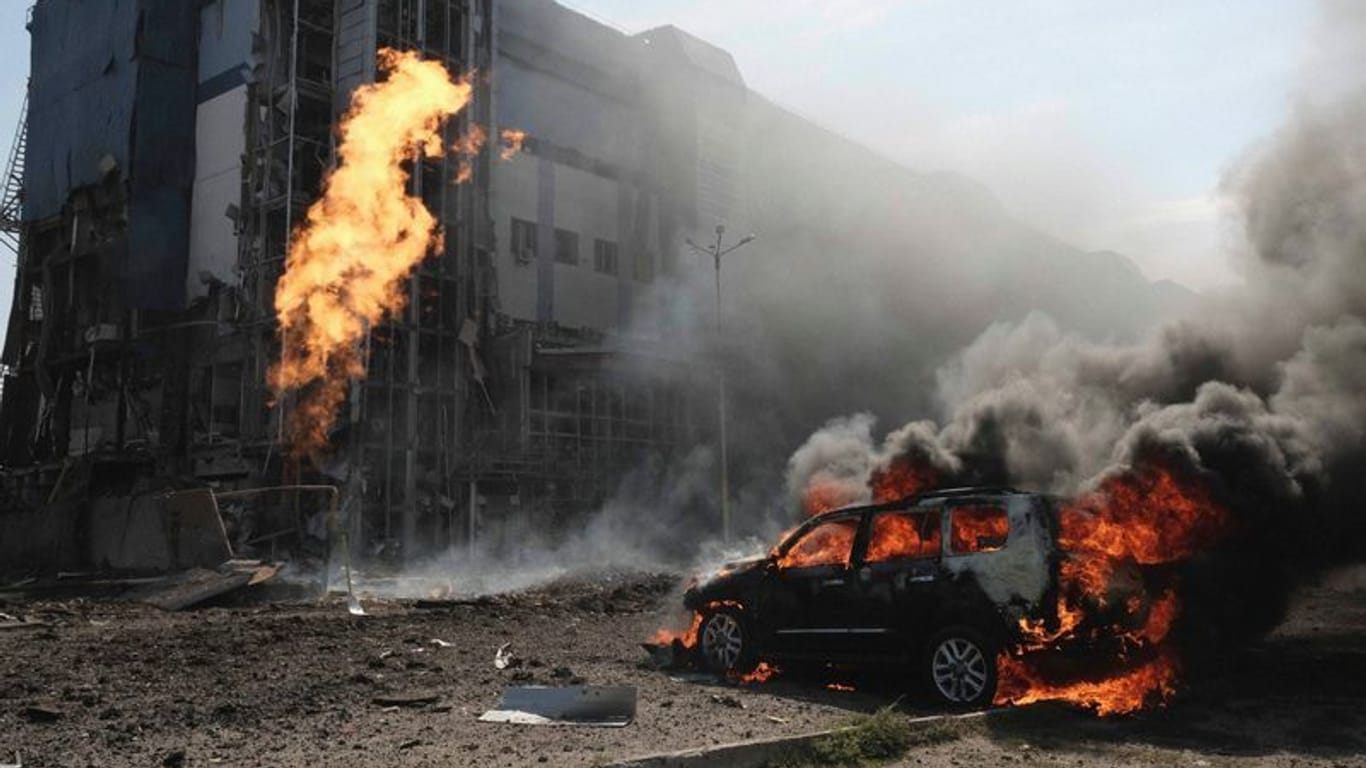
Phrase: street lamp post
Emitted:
{"points": [[716, 252]]}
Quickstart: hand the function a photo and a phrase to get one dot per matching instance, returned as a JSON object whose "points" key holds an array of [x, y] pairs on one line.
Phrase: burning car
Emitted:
{"points": [[945, 581]]}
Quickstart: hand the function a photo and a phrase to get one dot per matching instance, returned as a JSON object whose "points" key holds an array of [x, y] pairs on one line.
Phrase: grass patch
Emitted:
{"points": [[868, 740]]}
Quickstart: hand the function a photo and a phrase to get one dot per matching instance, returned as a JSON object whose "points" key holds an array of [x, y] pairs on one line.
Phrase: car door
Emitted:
{"points": [[898, 573], [810, 589]]}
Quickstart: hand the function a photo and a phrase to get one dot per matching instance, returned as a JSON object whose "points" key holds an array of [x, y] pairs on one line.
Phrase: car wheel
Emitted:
{"points": [[726, 643], [960, 665]]}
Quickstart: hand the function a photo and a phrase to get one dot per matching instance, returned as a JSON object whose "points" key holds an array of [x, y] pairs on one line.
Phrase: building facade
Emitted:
{"points": [[538, 357]]}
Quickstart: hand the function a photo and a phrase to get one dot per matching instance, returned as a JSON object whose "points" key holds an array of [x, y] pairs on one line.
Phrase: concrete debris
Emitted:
{"points": [[608, 706], [502, 658], [727, 700], [10, 621], [411, 700], [42, 713]]}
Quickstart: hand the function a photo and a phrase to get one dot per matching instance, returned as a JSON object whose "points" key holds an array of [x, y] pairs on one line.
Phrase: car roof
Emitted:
{"points": [[940, 493]]}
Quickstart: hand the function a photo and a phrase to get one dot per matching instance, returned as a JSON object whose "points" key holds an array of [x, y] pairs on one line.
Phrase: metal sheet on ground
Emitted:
{"points": [[608, 706], [192, 587]]}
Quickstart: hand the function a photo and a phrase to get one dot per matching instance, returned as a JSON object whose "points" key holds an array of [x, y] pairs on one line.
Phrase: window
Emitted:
{"points": [[904, 536], [434, 26], [605, 256], [35, 303], [826, 544], [523, 241], [645, 266], [977, 528], [566, 247]]}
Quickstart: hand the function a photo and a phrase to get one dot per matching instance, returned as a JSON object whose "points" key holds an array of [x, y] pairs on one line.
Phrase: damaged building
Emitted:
{"points": [[561, 337], [171, 149]]}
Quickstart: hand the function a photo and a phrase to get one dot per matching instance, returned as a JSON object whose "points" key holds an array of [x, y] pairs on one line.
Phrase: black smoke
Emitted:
{"points": [[1261, 394]]}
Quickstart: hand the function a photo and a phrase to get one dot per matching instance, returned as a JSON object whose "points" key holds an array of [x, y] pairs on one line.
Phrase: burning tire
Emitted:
{"points": [[960, 667], [726, 642]]}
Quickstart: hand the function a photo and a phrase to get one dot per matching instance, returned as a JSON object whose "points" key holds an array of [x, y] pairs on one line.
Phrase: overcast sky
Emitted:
{"points": [[13, 80], [1106, 122]]}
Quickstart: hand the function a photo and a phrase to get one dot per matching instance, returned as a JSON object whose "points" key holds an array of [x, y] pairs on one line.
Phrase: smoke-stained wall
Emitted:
{"points": [[582, 184]]}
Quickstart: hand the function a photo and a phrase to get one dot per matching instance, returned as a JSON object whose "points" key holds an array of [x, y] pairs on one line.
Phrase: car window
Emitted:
{"points": [[826, 544], [904, 535], [977, 528]]}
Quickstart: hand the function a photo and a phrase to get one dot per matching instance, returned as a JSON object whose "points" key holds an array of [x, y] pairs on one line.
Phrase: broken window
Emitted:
{"points": [[605, 257], [904, 536], [523, 241], [826, 544], [977, 528], [566, 247]]}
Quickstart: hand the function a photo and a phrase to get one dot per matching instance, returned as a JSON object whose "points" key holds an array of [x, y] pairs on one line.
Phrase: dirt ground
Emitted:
{"points": [[109, 683]]}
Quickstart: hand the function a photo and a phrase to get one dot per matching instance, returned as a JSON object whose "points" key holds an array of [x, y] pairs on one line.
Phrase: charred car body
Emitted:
{"points": [[940, 580]]}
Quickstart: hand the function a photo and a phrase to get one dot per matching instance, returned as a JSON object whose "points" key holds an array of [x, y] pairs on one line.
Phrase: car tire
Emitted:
{"points": [[725, 642], [959, 668]]}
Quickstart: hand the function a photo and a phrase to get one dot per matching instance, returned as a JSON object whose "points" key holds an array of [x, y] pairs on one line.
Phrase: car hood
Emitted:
{"points": [[725, 582]]}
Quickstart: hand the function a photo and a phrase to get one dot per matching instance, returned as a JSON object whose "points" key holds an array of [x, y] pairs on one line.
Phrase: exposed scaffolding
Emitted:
{"points": [[12, 197]]}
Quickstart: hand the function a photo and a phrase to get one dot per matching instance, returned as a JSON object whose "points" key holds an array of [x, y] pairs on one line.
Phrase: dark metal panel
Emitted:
{"points": [[158, 236], [83, 75]]}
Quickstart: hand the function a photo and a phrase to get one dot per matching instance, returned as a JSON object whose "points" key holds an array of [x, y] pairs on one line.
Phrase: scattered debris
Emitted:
{"points": [[776, 719], [502, 658], [42, 713], [439, 643], [413, 699], [727, 700], [409, 744], [610, 706], [18, 762], [666, 655], [11, 622], [189, 588]]}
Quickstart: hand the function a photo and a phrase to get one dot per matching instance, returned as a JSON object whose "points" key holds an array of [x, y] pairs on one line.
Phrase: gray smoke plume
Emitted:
{"points": [[1261, 393]]}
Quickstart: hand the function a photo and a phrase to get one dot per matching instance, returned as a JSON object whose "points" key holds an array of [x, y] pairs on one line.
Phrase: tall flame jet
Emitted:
{"points": [[366, 234]]}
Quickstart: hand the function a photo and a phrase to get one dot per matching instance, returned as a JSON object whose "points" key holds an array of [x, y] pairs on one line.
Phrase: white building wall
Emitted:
{"points": [[513, 194], [586, 205]]}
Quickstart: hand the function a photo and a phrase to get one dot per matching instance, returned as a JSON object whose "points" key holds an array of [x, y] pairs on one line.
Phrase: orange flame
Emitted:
{"points": [[513, 140], [761, 674], [1145, 515], [1127, 691], [902, 478], [686, 637], [978, 529], [362, 238], [827, 544], [467, 147]]}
